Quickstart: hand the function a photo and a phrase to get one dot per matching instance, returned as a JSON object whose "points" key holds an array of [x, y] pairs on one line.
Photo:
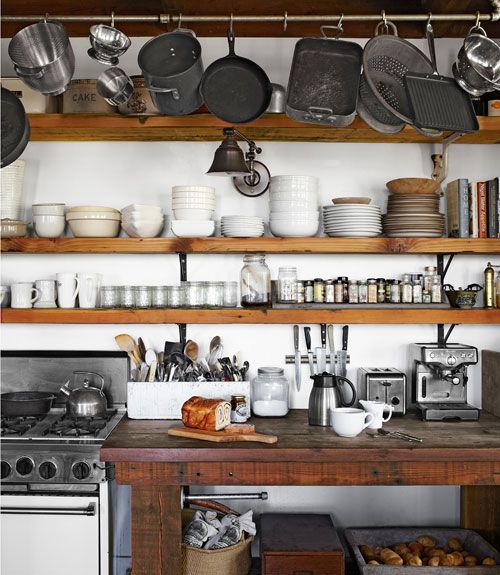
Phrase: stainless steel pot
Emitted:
{"points": [[278, 99], [477, 68], [114, 86], [43, 57], [172, 67], [85, 401]]}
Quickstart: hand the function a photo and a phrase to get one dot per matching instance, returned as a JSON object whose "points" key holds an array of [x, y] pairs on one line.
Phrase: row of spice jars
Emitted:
{"points": [[188, 294], [413, 288]]}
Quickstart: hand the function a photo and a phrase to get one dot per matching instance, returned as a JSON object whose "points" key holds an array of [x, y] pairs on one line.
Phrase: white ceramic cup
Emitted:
{"points": [[67, 289], [349, 422], [47, 289], [22, 295], [377, 408], [90, 284]]}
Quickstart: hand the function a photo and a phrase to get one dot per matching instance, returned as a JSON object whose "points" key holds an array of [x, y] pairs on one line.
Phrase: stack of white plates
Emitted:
{"points": [[11, 190], [193, 202], [142, 221], [352, 220], [294, 206], [242, 226]]}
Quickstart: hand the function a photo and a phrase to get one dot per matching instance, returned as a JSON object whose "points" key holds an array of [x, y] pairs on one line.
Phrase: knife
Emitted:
{"points": [[298, 358], [321, 351], [331, 343], [343, 353], [307, 334]]}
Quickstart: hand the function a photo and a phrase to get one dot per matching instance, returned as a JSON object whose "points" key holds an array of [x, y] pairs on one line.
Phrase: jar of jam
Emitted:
{"points": [[239, 409]]}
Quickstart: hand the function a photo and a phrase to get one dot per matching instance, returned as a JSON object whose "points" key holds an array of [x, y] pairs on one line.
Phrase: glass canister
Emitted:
{"points": [[255, 279], [270, 390], [230, 294], [287, 285], [175, 296], [159, 296], [194, 294], [214, 294], [127, 296], [110, 296], [142, 296]]}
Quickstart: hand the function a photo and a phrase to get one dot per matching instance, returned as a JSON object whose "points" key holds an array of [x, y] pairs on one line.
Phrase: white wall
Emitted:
{"points": [[117, 174]]}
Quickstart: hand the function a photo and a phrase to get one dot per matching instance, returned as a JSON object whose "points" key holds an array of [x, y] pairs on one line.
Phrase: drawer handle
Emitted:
{"points": [[90, 510]]}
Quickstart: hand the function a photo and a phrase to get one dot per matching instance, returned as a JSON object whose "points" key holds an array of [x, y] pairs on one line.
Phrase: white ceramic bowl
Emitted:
{"points": [[193, 228], [182, 204], [294, 196], [48, 209], [311, 215], [143, 229], [291, 179], [203, 189], [193, 214], [93, 216], [294, 229], [141, 208], [49, 226], [293, 205], [181, 194], [93, 209], [141, 220], [94, 228], [13, 228]]}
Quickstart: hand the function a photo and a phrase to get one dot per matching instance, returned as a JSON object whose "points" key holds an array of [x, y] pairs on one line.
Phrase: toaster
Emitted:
{"points": [[385, 384]]}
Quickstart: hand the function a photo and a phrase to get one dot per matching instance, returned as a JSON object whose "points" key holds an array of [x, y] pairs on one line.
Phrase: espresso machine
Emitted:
{"points": [[439, 380]]}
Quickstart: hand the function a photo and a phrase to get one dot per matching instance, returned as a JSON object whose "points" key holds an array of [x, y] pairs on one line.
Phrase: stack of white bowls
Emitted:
{"points": [[94, 222], [294, 206], [142, 221], [49, 220], [193, 203], [11, 192], [242, 226]]}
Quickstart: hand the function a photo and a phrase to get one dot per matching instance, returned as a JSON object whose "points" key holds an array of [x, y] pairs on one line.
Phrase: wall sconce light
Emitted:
{"points": [[250, 177]]}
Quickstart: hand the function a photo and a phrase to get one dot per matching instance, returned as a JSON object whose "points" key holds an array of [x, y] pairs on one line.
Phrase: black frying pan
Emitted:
{"points": [[26, 403], [15, 128], [235, 89]]}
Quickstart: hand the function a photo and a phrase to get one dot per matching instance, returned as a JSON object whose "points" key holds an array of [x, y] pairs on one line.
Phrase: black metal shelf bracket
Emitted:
{"points": [[442, 339], [442, 267], [183, 266]]}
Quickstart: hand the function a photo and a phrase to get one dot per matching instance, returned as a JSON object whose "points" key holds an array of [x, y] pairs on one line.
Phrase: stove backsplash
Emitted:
{"points": [[49, 370]]}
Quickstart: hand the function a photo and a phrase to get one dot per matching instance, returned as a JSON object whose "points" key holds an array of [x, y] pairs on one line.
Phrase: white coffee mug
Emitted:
{"points": [[377, 408], [47, 289], [349, 422], [67, 289], [90, 284], [21, 295]]}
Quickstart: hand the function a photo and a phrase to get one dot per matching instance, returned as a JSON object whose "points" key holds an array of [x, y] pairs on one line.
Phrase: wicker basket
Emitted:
{"points": [[234, 560]]}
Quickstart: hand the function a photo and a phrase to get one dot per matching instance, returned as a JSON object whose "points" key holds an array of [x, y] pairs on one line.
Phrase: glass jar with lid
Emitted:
{"points": [[142, 296], [214, 294], [270, 390], [287, 285], [353, 291], [255, 279], [406, 289], [194, 294], [362, 292]]}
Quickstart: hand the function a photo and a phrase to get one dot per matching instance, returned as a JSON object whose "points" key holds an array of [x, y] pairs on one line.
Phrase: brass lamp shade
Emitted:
{"points": [[229, 160]]}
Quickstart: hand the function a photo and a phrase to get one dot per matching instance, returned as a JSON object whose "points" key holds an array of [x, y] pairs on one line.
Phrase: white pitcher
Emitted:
{"points": [[377, 408]]}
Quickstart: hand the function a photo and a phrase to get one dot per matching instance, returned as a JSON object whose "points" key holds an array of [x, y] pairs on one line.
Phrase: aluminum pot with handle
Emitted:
{"points": [[172, 68], [85, 401]]}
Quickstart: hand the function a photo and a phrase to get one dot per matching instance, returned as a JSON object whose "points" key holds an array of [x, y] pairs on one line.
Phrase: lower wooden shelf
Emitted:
{"points": [[348, 315]]}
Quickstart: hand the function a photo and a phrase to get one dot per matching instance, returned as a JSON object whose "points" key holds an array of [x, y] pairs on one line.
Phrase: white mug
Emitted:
{"points": [[90, 284], [349, 422], [67, 289], [377, 408], [21, 295], [47, 289]]}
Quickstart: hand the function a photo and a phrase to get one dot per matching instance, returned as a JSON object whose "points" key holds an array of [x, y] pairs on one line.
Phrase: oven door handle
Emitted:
{"points": [[89, 511]]}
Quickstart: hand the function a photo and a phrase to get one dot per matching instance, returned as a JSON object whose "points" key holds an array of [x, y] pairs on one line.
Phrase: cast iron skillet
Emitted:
{"points": [[15, 128], [235, 89], [26, 403]]}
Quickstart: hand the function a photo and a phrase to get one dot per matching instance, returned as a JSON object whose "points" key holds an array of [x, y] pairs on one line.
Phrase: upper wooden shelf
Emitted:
{"points": [[205, 127], [251, 245]]}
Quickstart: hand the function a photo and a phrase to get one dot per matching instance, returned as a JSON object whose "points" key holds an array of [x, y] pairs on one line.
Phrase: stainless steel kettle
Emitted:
{"points": [[85, 401], [323, 397]]}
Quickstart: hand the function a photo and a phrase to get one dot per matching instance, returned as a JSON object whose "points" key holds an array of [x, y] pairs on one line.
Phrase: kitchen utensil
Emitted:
{"points": [[172, 68], [108, 44], [235, 89], [143, 372], [331, 344], [322, 367], [22, 295], [15, 128], [327, 394], [191, 350], [399, 435], [152, 371], [350, 422], [43, 57], [385, 384], [126, 343], [220, 436], [462, 298], [324, 80], [278, 98], [374, 113], [307, 335], [437, 102], [298, 358], [85, 401], [114, 86], [141, 349], [26, 403], [343, 354], [150, 357], [377, 408]]}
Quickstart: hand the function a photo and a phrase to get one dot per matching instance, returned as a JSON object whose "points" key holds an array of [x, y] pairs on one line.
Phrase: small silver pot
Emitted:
{"points": [[115, 86]]}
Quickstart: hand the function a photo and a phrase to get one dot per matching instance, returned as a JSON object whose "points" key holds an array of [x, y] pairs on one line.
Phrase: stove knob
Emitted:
{"points": [[24, 466], [451, 360], [432, 355], [47, 470], [5, 470], [81, 470]]}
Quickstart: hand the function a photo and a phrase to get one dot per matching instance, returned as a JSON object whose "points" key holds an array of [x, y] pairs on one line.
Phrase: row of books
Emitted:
{"points": [[473, 209]]}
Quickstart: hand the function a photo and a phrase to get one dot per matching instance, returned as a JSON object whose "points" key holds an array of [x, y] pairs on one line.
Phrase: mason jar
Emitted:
{"points": [[142, 296], [194, 294], [175, 296], [230, 294], [255, 280], [159, 296], [287, 285], [110, 296], [127, 298], [270, 391], [214, 294]]}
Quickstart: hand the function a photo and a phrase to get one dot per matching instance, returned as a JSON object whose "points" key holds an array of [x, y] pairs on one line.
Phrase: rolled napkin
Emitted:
{"points": [[198, 531], [208, 414]]}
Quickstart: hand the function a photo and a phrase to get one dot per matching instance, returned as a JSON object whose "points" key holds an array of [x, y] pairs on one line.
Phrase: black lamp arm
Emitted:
{"points": [[254, 149]]}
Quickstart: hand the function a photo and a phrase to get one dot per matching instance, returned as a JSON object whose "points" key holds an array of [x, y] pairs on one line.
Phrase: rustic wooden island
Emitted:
{"points": [[158, 466]]}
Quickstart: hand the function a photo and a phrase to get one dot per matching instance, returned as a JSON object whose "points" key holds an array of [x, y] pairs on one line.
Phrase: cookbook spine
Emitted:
{"points": [[482, 209], [492, 191], [463, 203], [473, 219]]}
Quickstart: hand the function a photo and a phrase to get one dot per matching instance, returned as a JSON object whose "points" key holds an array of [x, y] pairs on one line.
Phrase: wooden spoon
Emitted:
{"points": [[142, 349], [127, 343], [191, 350]]}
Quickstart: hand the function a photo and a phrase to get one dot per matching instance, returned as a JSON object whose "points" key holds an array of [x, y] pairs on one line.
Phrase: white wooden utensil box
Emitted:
{"points": [[163, 400]]}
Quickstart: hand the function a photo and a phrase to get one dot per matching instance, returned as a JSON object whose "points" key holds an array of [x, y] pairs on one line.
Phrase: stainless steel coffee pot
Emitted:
{"points": [[327, 394], [85, 401]]}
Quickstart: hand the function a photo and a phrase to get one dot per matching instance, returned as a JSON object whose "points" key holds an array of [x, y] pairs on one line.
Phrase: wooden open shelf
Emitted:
{"points": [[349, 315], [250, 245], [205, 127]]}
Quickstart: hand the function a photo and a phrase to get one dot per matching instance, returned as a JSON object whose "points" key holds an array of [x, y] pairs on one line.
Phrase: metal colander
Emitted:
{"points": [[386, 61], [374, 113], [38, 45]]}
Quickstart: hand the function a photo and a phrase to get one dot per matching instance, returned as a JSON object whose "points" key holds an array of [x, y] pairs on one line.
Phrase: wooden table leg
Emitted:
{"points": [[156, 530], [480, 510]]}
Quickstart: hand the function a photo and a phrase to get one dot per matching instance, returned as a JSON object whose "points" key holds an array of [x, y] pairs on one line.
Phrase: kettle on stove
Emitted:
{"points": [[85, 401], [327, 394]]}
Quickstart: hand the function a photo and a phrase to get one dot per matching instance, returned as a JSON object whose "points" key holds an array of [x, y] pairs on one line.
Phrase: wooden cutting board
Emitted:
{"points": [[220, 436]]}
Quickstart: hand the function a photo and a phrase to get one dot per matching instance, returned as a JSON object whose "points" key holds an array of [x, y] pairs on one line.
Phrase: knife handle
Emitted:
{"points": [[323, 335], [307, 335], [331, 341], [296, 337], [345, 337]]}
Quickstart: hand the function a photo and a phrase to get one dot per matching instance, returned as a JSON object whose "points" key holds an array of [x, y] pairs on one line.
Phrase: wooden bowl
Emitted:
{"points": [[413, 186], [353, 200]]}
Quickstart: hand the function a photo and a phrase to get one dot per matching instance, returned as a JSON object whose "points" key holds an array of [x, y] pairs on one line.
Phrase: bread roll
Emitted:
{"points": [[416, 547], [390, 557], [208, 414], [427, 541], [447, 560], [434, 561], [367, 552], [470, 560], [489, 561], [414, 561], [454, 544], [458, 559], [401, 548]]}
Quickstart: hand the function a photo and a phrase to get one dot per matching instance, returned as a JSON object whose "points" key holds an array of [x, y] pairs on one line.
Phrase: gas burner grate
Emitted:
{"points": [[19, 425], [69, 426]]}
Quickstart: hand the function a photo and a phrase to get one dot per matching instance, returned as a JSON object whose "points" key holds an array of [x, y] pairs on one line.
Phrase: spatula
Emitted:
{"points": [[127, 343]]}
